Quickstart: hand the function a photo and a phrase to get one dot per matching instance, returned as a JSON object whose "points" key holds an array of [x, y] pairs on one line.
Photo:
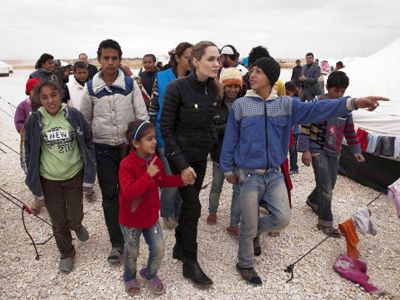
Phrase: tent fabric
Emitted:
{"points": [[377, 75], [370, 172]]}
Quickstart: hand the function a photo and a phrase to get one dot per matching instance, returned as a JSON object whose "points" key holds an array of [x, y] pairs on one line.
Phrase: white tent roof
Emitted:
{"points": [[377, 75]]}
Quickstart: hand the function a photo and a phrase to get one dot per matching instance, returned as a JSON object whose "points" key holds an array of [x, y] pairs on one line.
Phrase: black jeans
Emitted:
{"points": [[108, 159], [293, 153], [186, 231]]}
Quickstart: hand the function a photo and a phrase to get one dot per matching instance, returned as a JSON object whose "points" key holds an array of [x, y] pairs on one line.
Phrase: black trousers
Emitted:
{"points": [[108, 159], [186, 231], [63, 200]]}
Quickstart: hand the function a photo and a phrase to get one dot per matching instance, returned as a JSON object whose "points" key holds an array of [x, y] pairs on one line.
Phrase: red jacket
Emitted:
{"points": [[139, 200]]}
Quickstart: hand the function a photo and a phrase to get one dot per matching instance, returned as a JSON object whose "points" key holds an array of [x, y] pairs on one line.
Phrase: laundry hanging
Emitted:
{"points": [[348, 229], [362, 221], [394, 194]]}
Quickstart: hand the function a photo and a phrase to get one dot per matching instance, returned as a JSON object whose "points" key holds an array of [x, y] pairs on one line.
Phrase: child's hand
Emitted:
{"points": [[306, 158], [37, 205], [359, 157], [187, 178], [232, 179], [189, 172], [152, 169], [370, 102]]}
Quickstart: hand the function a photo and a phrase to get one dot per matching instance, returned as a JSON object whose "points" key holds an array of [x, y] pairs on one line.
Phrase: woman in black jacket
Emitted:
{"points": [[188, 130]]}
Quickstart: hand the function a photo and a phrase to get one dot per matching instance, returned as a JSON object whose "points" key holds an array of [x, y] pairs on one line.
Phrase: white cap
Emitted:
{"points": [[227, 50]]}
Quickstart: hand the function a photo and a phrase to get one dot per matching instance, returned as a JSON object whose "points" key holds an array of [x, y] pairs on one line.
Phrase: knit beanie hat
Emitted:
{"points": [[231, 76], [30, 84], [270, 67]]}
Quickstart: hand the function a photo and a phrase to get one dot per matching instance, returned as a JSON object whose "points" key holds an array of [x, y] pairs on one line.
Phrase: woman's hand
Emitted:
{"points": [[187, 178]]}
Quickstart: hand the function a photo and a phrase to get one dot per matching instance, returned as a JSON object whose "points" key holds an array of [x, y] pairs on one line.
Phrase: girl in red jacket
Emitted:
{"points": [[140, 175]]}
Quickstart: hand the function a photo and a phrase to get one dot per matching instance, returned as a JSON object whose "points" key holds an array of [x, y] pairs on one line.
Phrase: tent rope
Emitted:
{"points": [[4, 144], [290, 268], [25, 208]]}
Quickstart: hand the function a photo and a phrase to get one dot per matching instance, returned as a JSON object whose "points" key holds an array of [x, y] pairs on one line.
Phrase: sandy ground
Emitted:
{"points": [[23, 277]]}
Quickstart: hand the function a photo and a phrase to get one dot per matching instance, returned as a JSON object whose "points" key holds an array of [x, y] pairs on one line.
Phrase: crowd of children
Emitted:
{"points": [[156, 130]]}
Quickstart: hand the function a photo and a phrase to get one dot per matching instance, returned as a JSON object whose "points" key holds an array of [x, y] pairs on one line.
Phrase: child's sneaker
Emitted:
{"points": [[330, 231], [313, 206], [66, 264], [170, 222], [212, 219], [250, 275], [82, 234], [233, 230], [90, 196]]}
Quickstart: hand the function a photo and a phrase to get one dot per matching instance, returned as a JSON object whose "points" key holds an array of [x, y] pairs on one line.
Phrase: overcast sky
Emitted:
{"points": [[288, 28]]}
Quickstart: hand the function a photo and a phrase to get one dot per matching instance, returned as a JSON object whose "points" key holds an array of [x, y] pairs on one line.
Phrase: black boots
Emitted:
{"points": [[192, 271], [177, 253]]}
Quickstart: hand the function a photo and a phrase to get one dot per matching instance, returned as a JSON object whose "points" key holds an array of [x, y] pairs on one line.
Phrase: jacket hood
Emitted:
{"points": [[273, 95], [99, 84]]}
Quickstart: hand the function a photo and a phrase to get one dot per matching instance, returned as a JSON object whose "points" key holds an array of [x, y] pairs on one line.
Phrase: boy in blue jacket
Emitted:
{"points": [[255, 145]]}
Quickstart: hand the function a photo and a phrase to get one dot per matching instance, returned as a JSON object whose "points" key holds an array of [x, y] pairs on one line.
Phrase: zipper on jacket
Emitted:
{"points": [[205, 90]]}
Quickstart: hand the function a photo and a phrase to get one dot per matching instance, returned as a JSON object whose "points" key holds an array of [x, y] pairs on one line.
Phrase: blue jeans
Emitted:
{"points": [[269, 187], [154, 238], [170, 199], [325, 171], [215, 193]]}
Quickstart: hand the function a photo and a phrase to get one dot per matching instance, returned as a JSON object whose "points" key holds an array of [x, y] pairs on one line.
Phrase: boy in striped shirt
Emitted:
{"points": [[321, 144]]}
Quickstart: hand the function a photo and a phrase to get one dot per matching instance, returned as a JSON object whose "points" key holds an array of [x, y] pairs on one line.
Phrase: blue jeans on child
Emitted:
{"points": [[154, 239], [170, 198], [256, 187], [325, 171], [218, 178]]}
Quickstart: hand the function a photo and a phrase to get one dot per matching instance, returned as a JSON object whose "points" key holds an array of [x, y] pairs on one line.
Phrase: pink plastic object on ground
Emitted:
{"points": [[356, 271]]}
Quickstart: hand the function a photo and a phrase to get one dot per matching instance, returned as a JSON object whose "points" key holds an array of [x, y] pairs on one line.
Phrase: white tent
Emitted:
{"points": [[375, 75], [4, 69], [378, 75]]}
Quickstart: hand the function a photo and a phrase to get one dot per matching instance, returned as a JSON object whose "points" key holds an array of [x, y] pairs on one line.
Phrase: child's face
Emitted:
{"points": [[147, 144], [148, 63], [49, 65], [81, 74], [258, 79], [334, 92], [139, 82], [183, 60], [109, 60], [50, 100], [232, 91]]}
